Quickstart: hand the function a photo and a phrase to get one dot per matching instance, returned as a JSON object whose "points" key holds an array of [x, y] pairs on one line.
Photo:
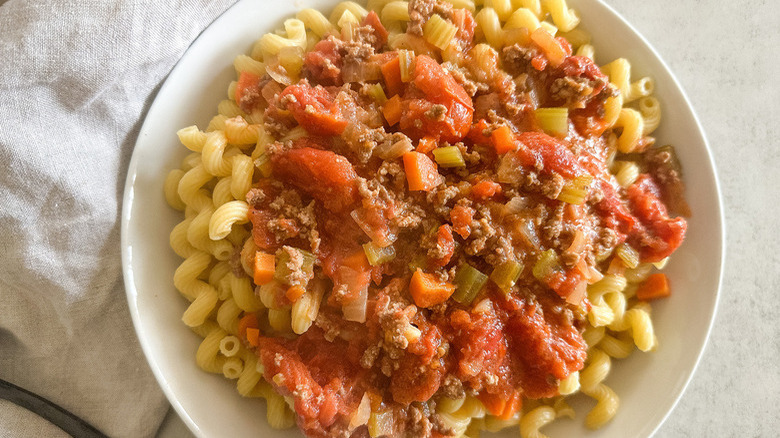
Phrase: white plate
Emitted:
{"points": [[649, 385]]}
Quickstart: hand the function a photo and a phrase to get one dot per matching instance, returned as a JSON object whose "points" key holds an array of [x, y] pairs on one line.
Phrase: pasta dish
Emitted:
{"points": [[426, 218]]}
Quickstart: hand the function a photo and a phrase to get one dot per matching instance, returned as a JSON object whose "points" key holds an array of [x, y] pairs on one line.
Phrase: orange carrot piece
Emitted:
{"points": [[656, 286], [426, 145], [392, 110], [427, 290], [253, 336], [248, 321], [391, 70], [293, 293], [550, 46], [421, 172], [503, 140], [265, 265]]}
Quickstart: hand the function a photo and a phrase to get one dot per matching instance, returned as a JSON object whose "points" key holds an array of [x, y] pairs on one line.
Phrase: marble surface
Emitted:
{"points": [[724, 55]]}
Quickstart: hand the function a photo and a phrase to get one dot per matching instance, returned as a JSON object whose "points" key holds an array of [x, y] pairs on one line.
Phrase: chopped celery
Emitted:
{"points": [[468, 283], [406, 63], [628, 255], [576, 190], [288, 264], [546, 265], [439, 31], [449, 156], [553, 120], [378, 94], [377, 255], [506, 274], [420, 261]]}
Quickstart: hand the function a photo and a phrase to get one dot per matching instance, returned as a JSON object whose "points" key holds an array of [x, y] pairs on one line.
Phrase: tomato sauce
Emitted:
{"points": [[401, 230]]}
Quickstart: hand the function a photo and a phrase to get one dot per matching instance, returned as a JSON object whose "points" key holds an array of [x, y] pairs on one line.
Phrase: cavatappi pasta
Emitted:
{"points": [[244, 286]]}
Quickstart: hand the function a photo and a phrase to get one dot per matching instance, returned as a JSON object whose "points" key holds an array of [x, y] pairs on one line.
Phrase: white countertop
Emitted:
{"points": [[725, 56]]}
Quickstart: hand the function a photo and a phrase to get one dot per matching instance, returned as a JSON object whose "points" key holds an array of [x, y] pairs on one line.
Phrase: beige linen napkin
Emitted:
{"points": [[76, 78]]}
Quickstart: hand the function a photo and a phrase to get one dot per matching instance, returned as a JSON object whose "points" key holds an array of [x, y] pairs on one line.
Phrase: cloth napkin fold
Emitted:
{"points": [[76, 79]]}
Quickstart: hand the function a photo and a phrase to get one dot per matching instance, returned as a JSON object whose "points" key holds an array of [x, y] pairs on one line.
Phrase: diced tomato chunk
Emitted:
{"points": [[446, 243], [263, 237], [323, 175], [372, 19], [248, 94], [314, 109], [661, 235], [485, 190], [461, 218], [324, 63], [445, 109]]}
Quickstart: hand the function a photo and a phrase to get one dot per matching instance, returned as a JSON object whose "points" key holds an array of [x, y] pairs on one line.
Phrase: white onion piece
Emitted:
{"points": [[356, 309], [377, 235], [361, 72], [392, 151], [362, 413], [526, 228]]}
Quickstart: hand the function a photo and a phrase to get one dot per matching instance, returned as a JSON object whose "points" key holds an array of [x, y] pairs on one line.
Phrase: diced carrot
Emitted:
{"points": [[426, 144], [421, 172], [391, 70], [427, 290], [248, 321], [392, 110], [656, 286], [550, 46], [294, 292], [503, 140], [253, 336], [265, 265], [485, 189]]}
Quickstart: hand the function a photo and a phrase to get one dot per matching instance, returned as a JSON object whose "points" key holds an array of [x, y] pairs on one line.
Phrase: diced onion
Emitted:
{"points": [[394, 150], [362, 413], [361, 72]]}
